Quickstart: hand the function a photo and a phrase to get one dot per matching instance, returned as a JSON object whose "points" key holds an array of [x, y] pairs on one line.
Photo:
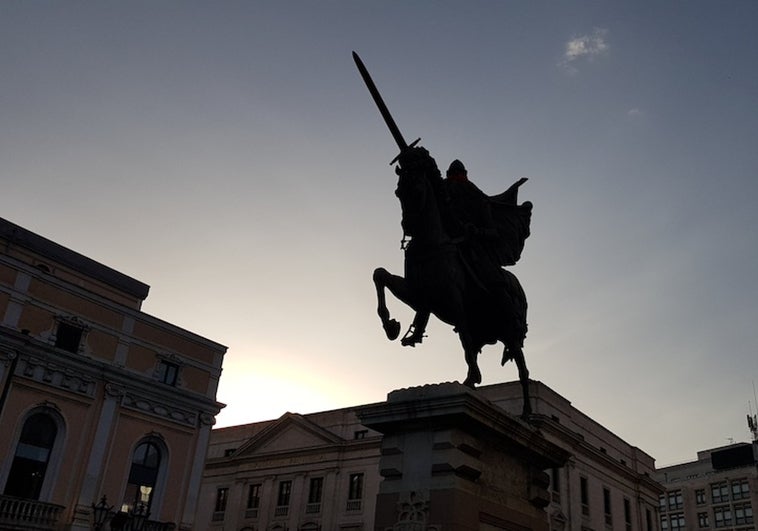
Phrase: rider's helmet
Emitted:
{"points": [[457, 171]]}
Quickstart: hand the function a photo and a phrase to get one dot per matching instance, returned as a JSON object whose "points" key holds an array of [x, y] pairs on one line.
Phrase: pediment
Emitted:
{"points": [[290, 432]]}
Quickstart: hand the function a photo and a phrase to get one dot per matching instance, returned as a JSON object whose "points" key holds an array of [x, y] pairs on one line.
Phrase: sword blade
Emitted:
{"points": [[394, 130]]}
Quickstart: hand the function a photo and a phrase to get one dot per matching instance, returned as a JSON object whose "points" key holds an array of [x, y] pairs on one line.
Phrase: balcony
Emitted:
{"points": [[353, 505], [22, 514]]}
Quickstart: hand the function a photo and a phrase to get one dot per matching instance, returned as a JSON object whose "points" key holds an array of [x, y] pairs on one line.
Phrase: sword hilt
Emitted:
{"points": [[412, 144]]}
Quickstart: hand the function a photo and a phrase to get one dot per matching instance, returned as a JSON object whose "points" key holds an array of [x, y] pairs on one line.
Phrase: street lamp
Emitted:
{"points": [[138, 516], [100, 513]]}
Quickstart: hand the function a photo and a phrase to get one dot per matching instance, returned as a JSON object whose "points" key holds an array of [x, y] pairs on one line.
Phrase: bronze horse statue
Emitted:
{"points": [[444, 276]]}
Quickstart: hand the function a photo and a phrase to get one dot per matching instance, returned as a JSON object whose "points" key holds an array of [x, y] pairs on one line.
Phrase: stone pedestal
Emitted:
{"points": [[452, 461]]}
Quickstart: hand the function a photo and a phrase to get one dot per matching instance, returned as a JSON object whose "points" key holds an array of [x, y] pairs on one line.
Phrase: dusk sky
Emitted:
{"points": [[229, 155]]}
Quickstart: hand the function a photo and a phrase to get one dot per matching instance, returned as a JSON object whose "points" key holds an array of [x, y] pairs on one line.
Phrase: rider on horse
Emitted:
{"points": [[489, 232]]}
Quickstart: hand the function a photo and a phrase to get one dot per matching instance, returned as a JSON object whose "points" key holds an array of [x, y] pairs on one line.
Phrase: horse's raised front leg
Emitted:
{"points": [[399, 288]]}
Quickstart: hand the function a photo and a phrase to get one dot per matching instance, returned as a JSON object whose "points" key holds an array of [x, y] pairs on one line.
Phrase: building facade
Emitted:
{"points": [[717, 491], [309, 472], [97, 398], [299, 472]]}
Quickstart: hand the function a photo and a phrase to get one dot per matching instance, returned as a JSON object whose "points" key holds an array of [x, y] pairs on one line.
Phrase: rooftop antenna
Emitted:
{"points": [[752, 419]]}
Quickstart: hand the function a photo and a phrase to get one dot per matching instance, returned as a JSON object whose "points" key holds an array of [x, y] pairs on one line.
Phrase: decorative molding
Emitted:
{"points": [[114, 390], [9, 356], [162, 410], [207, 420], [47, 404], [54, 375]]}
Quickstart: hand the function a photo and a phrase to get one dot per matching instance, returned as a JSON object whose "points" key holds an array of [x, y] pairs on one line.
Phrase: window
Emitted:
{"points": [[722, 516], [584, 495], [254, 496], [356, 487], [253, 500], [355, 492], [607, 506], [222, 496], [743, 513], [740, 490], [283, 498], [315, 490], [229, 452], [676, 521], [167, 372], [675, 500], [664, 523], [702, 520], [719, 492], [360, 434], [285, 489], [32, 457], [627, 513], [143, 476], [68, 337], [662, 502], [700, 496], [648, 520]]}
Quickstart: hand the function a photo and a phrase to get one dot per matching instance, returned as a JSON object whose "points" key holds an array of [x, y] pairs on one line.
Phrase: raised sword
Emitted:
{"points": [[383, 110]]}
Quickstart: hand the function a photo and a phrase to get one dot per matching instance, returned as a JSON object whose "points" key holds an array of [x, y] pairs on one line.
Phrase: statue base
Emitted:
{"points": [[452, 461]]}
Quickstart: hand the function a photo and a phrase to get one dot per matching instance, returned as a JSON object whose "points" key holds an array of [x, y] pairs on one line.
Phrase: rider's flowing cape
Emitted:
{"points": [[512, 224]]}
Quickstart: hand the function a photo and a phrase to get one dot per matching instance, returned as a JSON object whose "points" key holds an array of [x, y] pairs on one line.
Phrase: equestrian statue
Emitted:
{"points": [[457, 241]]}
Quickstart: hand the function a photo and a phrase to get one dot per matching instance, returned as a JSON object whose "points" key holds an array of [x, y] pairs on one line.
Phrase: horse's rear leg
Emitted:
{"points": [[471, 353], [382, 278], [523, 375]]}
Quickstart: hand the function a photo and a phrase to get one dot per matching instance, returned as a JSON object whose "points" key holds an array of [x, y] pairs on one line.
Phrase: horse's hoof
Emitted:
{"points": [[392, 329], [468, 382]]}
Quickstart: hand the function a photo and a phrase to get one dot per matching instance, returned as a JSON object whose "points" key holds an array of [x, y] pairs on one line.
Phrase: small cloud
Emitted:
{"points": [[586, 47], [636, 114]]}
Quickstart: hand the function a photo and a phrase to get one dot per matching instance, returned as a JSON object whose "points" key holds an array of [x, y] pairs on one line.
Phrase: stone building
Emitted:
{"points": [[97, 398], [309, 472], [717, 491], [300, 472]]}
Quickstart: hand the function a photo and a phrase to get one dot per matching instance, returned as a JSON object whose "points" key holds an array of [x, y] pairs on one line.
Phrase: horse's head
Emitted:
{"points": [[418, 180]]}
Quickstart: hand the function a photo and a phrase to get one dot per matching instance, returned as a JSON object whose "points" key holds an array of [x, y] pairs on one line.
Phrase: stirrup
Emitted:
{"points": [[412, 336]]}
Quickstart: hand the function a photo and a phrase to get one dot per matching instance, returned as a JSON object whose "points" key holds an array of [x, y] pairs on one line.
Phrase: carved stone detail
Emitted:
{"points": [[157, 409], [114, 391], [54, 375], [207, 420], [413, 511], [8, 357]]}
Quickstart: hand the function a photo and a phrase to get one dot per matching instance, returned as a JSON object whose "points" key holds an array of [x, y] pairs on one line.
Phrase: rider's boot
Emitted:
{"points": [[415, 333]]}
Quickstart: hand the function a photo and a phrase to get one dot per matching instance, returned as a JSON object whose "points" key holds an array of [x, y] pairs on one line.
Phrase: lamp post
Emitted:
{"points": [[138, 516], [100, 513]]}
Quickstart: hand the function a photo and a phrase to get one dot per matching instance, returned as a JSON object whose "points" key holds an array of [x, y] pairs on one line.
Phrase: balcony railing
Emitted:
{"points": [[18, 513], [151, 525], [353, 505]]}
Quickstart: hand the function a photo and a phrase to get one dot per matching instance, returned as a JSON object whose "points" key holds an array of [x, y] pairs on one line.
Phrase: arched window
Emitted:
{"points": [[143, 476], [32, 456]]}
